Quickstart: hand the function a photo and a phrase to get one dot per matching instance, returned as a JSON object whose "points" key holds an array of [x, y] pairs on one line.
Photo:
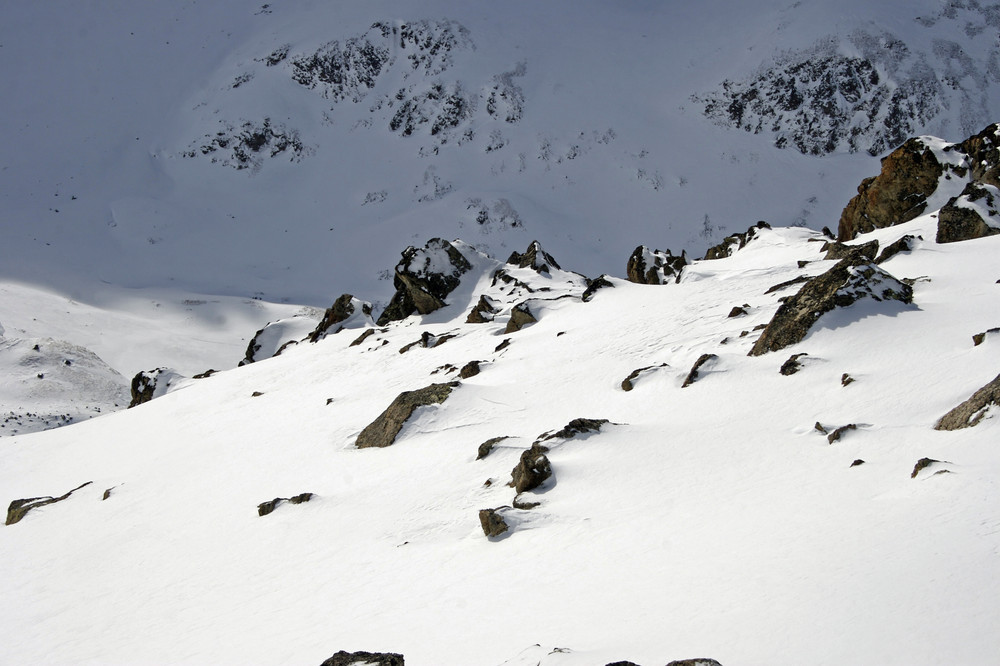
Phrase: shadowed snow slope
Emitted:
{"points": [[696, 522]]}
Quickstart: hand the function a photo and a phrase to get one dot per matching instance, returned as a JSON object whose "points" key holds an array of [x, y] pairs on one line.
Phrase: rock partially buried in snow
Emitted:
{"points": [[695, 662], [383, 430], [520, 316], [346, 310], [344, 658], [532, 470], [534, 258], [267, 507], [730, 245], [647, 266], [492, 522], [149, 384], [850, 280], [973, 214], [424, 277], [973, 410], [692, 376], [19, 508]]}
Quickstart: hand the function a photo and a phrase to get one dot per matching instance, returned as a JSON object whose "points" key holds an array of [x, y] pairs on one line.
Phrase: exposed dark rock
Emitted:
{"points": [[846, 379], [904, 244], [525, 505], [447, 368], [487, 447], [971, 215], [839, 432], [470, 369], [256, 394], [265, 508], [737, 311], [427, 340], [364, 336], [574, 428], [647, 266], [898, 194], [857, 462], [532, 470], [502, 275], [204, 375], [147, 384], [484, 311], [629, 382], [837, 250], [973, 410], [788, 283], [520, 316], [692, 376], [622, 663], [848, 281], [736, 242], [19, 508], [107, 493], [343, 658], [600, 282], [383, 430], [535, 258], [980, 338], [922, 464], [492, 522], [820, 427], [503, 345], [983, 150], [423, 278], [792, 365], [340, 311], [695, 662]]}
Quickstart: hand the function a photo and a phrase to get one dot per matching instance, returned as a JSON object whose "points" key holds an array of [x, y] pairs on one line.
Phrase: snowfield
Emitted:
{"points": [[185, 184], [709, 520]]}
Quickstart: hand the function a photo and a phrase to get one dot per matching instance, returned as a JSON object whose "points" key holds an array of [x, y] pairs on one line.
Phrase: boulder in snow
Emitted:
{"points": [[492, 522], [149, 384], [346, 312], [19, 508], [973, 410], [383, 430], [344, 658], [532, 469], [973, 214], [520, 316]]}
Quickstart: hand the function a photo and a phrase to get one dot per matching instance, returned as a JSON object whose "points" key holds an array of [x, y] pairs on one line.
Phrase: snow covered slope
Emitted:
{"points": [[711, 519]]}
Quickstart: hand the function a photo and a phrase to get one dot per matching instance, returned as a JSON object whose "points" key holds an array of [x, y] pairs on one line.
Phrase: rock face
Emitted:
{"points": [[647, 266], [343, 658], [909, 176], [851, 279], [149, 384], [534, 258], [336, 317], [973, 214], [383, 430], [736, 242], [19, 508], [424, 277], [532, 470], [973, 410]]}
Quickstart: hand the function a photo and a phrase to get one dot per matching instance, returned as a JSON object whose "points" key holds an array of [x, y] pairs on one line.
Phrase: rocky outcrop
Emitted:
{"points": [[470, 369], [534, 258], [574, 428], [973, 214], [647, 266], [692, 376], [423, 279], [909, 176], [482, 312], [492, 522], [973, 410], [736, 242], [695, 662], [520, 316], [847, 282], [531, 470], [337, 316], [383, 430], [267, 507], [837, 250], [904, 244], [983, 150], [149, 384], [600, 282], [343, 658], [19, 508]]}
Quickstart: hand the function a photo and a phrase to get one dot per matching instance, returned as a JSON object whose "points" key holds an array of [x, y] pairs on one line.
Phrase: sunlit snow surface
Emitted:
{"points": [[709, 520]]}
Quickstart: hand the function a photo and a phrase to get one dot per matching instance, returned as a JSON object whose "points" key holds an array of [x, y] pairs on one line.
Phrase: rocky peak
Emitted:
{"points": [[534, 258], [424, 277]]}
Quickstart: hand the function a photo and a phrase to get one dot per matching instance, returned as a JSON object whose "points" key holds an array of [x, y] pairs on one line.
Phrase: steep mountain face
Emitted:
{"points": [[869, 91]]}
